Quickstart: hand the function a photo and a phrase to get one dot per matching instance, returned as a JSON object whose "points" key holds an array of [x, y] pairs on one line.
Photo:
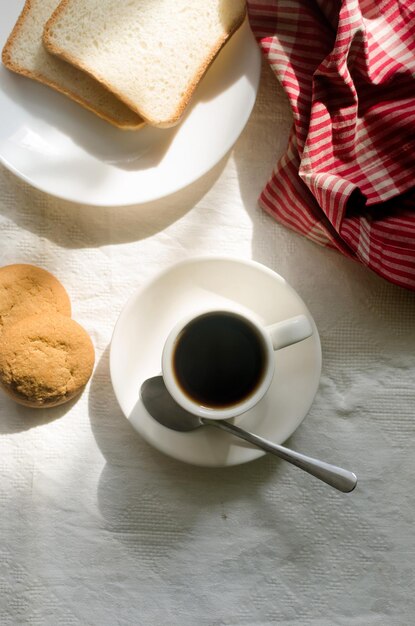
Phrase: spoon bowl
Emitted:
{"points": [[164, 409]]}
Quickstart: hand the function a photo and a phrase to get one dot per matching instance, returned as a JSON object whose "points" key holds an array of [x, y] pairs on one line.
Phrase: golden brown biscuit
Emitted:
{"points": [[45, 360], [28, 290]]}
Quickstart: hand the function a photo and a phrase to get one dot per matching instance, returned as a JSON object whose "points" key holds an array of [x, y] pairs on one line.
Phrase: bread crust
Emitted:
{"points": [[7, 61], [175, 118]]}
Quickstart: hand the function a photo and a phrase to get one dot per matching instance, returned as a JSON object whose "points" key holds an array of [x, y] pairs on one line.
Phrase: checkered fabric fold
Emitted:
{"points": [[347, 178]]}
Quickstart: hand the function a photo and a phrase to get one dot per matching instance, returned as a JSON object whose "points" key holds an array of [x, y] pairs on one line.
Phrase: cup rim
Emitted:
{"points": [[211, 412]]}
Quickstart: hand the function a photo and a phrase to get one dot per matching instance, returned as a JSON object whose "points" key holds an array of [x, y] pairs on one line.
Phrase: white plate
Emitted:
{"points": [[62, 149], [197, 283]]}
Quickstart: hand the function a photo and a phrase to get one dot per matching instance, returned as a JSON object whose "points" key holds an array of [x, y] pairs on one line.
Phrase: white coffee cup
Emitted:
{"points": [[268, 338]]}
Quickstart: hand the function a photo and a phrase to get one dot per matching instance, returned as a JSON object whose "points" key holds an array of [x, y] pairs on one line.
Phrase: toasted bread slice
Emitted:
{"points": [[25, 54], [150, 54]]}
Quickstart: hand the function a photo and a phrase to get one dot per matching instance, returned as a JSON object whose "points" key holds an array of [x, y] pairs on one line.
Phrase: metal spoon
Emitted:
{"points": [[165, 410]]}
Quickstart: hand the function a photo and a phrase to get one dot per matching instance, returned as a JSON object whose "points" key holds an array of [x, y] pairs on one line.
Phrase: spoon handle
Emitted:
{"points": [[334, 476]]}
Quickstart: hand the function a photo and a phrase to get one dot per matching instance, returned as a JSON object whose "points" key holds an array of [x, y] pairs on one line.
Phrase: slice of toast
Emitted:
{"points": [[25, 54], [151, 54]]}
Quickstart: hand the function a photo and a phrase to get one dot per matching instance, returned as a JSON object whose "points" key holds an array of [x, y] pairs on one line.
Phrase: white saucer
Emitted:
{"points": [[187, 287], [59, 147]]}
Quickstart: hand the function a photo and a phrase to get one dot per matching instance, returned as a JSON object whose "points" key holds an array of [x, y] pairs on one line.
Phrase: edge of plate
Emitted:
{"points": [[256, 452], [155, 196]]}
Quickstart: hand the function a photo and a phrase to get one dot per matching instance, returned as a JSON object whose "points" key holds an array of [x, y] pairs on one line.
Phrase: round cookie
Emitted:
{"points": [[28, 290], [45, 360]]}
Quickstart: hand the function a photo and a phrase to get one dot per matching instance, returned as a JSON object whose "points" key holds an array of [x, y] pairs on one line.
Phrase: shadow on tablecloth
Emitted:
{"points": [[21, 418], [131, 507], [75, 226]]}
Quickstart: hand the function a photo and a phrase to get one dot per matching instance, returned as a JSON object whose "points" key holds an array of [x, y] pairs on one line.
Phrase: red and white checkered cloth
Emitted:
{"points": [[347, 179]]}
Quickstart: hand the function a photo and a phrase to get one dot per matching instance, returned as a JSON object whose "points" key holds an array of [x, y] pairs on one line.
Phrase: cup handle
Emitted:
{"points": [[290, 331]]}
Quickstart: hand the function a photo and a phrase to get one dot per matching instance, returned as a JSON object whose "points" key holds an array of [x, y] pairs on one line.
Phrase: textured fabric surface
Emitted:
{"points": [[99, 529], [347, 177]]}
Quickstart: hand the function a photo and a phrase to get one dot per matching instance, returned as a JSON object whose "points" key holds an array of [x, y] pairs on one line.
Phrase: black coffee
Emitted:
{"points": [[219, 360]]}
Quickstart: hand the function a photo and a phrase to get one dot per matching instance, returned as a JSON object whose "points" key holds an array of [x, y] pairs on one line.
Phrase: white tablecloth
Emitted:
{"points": [[97, 528]]}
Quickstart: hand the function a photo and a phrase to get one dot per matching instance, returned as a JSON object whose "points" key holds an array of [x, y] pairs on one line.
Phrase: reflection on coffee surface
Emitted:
{"points": [[219, 360]]}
